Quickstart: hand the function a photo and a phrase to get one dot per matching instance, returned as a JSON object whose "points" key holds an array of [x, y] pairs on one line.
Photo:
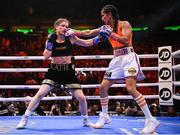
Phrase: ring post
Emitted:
{"points": [[165, 75]]}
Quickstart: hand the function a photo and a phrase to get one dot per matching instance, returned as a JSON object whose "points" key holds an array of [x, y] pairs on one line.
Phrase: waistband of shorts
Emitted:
{"points": [[123, 51], [61, 67]]}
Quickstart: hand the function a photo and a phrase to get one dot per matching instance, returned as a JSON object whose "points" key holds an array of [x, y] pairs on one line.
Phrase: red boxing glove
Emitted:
{"points": [[114, 36]]}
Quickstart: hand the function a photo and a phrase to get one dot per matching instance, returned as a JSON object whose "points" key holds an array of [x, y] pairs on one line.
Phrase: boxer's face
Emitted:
{"points": [[61, 28], [106, 18]]}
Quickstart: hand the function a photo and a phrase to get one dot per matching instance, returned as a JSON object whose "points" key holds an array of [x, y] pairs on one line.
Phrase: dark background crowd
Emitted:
{"points": [[29, 14]]}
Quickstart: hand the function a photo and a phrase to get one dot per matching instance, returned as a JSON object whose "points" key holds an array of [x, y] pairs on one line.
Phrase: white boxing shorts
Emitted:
{"points": [[124, 64]]}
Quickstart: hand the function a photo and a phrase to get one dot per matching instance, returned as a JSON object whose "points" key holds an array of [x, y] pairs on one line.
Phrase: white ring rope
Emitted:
{"points": [[77, 69], [176, 54], [82, 86], [87, 97], [176, 67], [176, 97], [70, 98], [176, 83], [83, 57]]}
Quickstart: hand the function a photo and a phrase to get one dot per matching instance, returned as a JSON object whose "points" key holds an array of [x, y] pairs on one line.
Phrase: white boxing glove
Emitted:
{"points": [[69, 33]]}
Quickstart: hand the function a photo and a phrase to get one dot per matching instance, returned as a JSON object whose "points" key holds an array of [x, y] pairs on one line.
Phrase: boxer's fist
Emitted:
{"points": [[105, 31], [70, 33], [98, 39]]}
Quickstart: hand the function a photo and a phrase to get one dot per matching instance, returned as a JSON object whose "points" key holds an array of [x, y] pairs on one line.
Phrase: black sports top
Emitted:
{"points": [[62, 49]]}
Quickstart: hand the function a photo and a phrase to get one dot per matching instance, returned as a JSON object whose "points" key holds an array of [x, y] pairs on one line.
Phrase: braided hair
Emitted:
{"points": [[113, 10]]}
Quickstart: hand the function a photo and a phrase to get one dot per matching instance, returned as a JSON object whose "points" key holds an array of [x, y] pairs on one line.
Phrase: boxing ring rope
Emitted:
{"points": [[176, 83], [175, 67], [76, 58], [83, 86], [83, 57], [87, 97], [174, 54], [77, 69], [70, 98]]}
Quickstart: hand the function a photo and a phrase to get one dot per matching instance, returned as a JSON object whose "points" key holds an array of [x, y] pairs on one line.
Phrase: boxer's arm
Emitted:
{"points": [[87, 43], [48, 49], [47, 54], [86, 33], [126, 34], [90, 33]]}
